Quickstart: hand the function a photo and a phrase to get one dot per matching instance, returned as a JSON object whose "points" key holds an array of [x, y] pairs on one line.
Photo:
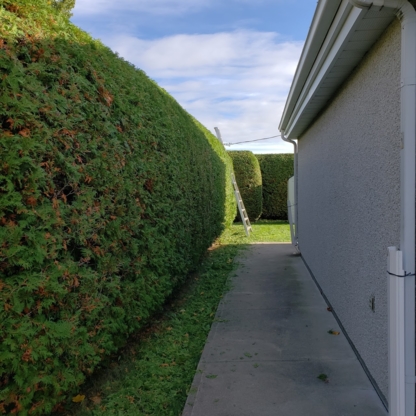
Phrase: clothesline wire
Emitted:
{"points": [[250, 141]]}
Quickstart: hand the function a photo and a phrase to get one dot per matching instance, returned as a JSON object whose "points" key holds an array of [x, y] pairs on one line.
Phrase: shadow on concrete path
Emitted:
{"points": [[270, 342]]}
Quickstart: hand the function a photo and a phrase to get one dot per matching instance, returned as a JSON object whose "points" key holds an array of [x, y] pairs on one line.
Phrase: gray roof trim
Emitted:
{"points": [[330, 54]]}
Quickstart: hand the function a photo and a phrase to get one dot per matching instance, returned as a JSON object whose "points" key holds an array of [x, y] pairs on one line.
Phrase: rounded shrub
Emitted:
{"points": [[110, 193], [248, 177], [276, 169]]}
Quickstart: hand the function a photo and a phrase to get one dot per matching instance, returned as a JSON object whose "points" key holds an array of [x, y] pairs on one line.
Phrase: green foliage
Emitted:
{"points": [[153, 374], [230, 203], [64, 6], [248, 177], [276, 169], [109, 195]]}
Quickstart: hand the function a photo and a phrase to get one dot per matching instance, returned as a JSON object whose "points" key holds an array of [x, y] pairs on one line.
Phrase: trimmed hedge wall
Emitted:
{"points": [[110, 193], [249, 181], [276, 169]]}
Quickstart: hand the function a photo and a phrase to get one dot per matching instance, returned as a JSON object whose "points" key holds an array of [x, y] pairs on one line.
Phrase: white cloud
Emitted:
{"points": [[212, 54], [154, 7], [237, 81]]}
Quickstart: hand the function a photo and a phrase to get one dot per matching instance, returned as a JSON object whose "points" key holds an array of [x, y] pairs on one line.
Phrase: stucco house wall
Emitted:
{"points": [[349, 198]]}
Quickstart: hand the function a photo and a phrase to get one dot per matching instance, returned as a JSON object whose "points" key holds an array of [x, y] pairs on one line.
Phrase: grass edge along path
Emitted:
{"points": [[152, 374]]}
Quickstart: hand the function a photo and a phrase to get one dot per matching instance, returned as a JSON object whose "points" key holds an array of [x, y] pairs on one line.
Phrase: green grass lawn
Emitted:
{"points": [[153, 373], [264, 231]]}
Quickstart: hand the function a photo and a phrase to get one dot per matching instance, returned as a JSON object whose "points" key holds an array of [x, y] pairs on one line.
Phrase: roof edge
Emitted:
{"points": [[321, 22], [331, 53]]}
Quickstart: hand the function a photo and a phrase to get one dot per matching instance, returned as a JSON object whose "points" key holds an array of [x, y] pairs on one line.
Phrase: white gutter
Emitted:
{"points": [[322, 20], [402, 262], [295, 163]]}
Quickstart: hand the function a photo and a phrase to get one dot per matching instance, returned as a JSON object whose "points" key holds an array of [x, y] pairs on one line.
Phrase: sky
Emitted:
{"points": [[229, 63]]}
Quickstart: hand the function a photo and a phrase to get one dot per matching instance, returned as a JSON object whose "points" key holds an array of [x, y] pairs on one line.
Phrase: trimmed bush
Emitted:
{"points": [[110, 193], [249, 181], [276, 169]]}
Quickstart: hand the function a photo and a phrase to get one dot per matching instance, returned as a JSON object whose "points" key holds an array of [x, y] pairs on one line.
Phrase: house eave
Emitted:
{"points": [[339, 37]]}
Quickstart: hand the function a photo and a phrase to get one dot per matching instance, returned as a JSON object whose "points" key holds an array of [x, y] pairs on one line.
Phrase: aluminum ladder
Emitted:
{"points": [[241, 207], [240, 203]]}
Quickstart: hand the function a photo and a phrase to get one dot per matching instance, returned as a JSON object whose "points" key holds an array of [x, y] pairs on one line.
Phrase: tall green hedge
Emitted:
{"points": [[249, 181], [109, 195], [276, 169]]}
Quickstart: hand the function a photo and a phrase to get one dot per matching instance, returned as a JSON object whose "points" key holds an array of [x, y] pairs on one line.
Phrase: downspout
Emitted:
{"points": [[404, 260], [295, 163]]}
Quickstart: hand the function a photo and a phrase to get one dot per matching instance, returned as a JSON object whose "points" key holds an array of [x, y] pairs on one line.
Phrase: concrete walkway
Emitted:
{"points": [[270, 343]]}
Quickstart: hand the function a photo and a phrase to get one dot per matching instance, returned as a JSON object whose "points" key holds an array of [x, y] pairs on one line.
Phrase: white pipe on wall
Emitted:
{"points": [[407, 16], [397, 329], [403, 260], [295, 168]]}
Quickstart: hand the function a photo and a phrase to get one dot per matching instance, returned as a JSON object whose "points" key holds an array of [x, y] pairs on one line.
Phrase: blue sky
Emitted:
{"points": [[228, 63]]}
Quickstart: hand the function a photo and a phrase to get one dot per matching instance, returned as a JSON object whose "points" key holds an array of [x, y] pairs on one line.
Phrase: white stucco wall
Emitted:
{"points": [[349, 198]]}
